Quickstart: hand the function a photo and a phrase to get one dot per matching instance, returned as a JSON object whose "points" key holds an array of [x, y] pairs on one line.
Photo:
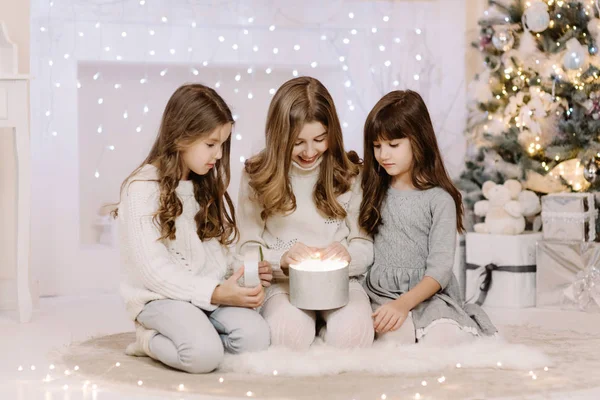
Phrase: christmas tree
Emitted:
{"points": [[534, 110]]}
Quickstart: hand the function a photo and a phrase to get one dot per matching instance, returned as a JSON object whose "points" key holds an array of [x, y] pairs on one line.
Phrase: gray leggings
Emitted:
{"points": [[193, 340]]}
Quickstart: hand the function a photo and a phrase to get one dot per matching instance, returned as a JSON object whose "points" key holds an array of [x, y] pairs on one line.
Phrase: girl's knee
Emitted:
{"points": [[356, 332], [200, 353], [399, 336], [201, 358], [446, 334], [289, 326], [253, 334], [294, 332], [352, 325], [258, 336], [405, 335]]}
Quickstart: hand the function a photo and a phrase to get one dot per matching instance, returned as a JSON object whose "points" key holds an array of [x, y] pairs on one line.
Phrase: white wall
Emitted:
{"points": [[15, 15], [121, 134], [474, 58], [80, 40]]}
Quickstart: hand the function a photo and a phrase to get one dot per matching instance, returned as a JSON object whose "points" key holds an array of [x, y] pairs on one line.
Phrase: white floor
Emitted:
{"points": [[24, 348], [57, 322]]}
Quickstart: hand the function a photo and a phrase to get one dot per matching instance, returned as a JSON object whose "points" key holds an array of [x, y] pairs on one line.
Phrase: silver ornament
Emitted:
{"points": [[576, 55], [493, 63], [536, 16], [574, 60], [503, 40], [591, 170]]}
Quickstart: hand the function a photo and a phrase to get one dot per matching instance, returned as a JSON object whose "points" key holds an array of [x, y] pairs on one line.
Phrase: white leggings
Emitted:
{"points": [[346, 327], [443, 333]]}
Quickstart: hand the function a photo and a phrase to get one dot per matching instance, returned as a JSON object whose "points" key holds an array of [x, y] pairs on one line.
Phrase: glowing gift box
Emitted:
{"points": [[319, 284]]}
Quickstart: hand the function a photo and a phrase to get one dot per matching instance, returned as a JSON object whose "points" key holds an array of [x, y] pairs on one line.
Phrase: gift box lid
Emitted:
{"points": [[568, 202]]}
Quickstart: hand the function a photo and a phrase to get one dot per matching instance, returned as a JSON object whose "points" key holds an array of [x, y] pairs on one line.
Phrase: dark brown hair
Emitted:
{"points": [[193, 112], [402, 114]]}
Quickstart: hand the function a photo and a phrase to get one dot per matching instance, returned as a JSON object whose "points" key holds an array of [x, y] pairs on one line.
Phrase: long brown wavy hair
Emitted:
{"points": [[297, 102], [193, 112], [402, 114]]}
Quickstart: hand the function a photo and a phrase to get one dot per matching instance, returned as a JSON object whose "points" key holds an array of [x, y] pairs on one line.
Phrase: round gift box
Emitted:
{"points": [[319, 285]]}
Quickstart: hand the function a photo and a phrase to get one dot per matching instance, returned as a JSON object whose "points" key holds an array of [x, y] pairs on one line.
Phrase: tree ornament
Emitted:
{"points": [[503, 40], [593, 28], [576, 55], [536, 16], [591, 169], [493, 63], [484, 41]]}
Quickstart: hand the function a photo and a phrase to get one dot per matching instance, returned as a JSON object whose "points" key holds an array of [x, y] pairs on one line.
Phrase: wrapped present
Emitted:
{"points": [[568, 275], [501, 269], [459, 268], [569, 216]]}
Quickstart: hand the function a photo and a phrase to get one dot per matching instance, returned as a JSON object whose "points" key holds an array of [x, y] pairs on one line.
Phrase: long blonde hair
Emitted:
{"points": [[193, 112], [297, 102]]}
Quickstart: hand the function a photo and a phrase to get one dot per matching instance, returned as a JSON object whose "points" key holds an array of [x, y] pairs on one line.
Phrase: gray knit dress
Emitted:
{"points": [[417, 238]]}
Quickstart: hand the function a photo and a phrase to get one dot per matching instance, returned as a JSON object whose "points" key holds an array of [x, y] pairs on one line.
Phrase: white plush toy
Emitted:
{"points": [[505, 208]]}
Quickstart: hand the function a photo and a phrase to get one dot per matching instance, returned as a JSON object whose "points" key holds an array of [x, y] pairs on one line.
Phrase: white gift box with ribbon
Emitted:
{"points": [[501, 269]]}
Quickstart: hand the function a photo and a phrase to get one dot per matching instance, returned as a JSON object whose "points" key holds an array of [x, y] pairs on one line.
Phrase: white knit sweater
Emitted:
{"points": [[184, 269], [306, 224]]}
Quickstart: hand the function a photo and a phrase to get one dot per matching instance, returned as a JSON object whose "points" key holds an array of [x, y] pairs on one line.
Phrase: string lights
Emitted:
{"points": [[127, 33], [76, 381]]}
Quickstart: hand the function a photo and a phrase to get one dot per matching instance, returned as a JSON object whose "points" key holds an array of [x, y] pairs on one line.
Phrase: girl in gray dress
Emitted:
{"points": [[414, 212]]}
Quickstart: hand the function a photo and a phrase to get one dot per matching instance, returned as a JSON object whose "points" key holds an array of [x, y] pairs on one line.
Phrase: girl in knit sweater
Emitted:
{"points": [[299, 198], [175, 223], [414, 212]]}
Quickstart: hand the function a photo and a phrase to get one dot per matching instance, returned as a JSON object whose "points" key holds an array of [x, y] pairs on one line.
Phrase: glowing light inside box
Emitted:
{"points": [[320, 265]]}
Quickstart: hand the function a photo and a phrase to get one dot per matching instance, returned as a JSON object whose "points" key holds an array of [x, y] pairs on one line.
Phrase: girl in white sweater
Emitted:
{"points": [[300, 197], [175, 223]]}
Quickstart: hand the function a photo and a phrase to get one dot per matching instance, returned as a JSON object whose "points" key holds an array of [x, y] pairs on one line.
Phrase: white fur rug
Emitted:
{"points": [[387, 359], [572, 359]]}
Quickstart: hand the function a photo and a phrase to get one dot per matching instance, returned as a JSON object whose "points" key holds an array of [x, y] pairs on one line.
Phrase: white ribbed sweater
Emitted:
{"points": [[184, 269], [306, 224]]}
